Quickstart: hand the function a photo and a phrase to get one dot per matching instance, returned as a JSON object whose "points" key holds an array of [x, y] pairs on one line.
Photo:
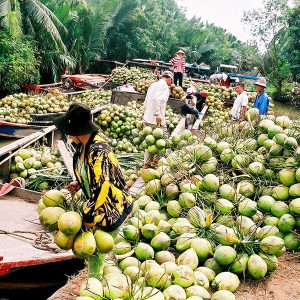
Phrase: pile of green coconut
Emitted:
{"points": [[212, 214]]}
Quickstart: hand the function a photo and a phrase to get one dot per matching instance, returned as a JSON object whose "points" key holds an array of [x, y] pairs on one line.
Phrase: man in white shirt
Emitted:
{"points": [[156, 100], [155, 108], [240, 103]]}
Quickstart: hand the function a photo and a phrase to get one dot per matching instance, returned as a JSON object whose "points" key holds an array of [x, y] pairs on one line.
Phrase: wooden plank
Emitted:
{"points": [[136, 187], [179, 128], [67, 158], [202, 115]]}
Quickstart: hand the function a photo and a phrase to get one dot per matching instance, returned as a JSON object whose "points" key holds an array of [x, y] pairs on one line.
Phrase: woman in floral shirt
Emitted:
{"points": [[97, 171]]}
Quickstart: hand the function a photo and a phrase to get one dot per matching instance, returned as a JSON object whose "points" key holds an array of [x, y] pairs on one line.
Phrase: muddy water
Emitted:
{"points": [[38, 282]]}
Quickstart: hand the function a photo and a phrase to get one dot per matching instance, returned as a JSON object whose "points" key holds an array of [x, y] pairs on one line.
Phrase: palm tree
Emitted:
{"points": [[32, 17]]}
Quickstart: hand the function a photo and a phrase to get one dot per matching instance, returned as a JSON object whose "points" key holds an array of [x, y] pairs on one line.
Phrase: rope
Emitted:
{"points": [[41, 240]]}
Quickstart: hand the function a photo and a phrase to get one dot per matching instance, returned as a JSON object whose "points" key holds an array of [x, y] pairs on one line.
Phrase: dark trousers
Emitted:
{"points": [[178, 77], [187, 109]]}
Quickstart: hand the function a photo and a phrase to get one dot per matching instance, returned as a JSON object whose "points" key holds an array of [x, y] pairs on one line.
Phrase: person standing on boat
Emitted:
{"points": [[178, 62], [98, 174], [155, 107], [261, 101]]}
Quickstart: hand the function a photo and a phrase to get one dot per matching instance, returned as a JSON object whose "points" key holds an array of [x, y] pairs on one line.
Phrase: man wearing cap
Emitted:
{"points": [[155, 105], [178, 62], [189, 103], [156, 100], [261, 100], [240, 103]]}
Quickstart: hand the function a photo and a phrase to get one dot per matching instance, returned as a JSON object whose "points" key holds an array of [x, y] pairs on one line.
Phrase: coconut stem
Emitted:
{"points": [[95, 265]]}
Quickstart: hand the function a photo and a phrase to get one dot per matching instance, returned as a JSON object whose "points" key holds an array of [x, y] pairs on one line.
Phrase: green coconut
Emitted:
{"points": [[122, 247], [184, 241], [286, 223], [272, 245], [267, 230], [161, 242], [247, 207], [247, 189], [294, 206], [223, 206], [280, 193], [53, 198], [188, 258], [174, 292], [156, 277], [201, 279], [292, 241], [144, 252], [63, 241], [92, 288], [227, 192], [257, 267], [294, 190], [264, 203], [149, 174], [279, 208], [129, 262], [183, 276], [225, 255], [149, 231], [197, 291], [174, 208], [213, 265], [210, 183], [187, 200], [226, 281], [270, 260], [84, 245], [164, 256], [223, 295], [239, 266], [116, 286], [70, 223], [152, 205], [49, 217], [153, 187], [172, 191]]}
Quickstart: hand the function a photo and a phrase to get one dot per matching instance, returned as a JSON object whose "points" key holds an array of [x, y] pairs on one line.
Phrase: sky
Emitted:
{"points": [[224, 13]]}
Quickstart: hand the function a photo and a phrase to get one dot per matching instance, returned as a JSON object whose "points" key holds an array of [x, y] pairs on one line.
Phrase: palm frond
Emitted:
{"points": [[41, 20]]}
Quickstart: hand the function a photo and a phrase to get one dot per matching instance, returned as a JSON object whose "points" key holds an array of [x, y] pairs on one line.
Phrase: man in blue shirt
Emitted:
{"points": [[262, 100]]}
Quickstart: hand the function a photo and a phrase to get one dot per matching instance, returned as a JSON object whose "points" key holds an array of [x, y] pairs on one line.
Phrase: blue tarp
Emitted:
{"points": [[242, 76]]}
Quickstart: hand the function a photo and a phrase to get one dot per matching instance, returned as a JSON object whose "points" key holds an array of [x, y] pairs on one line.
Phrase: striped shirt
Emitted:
{"points": [[178, 64]]}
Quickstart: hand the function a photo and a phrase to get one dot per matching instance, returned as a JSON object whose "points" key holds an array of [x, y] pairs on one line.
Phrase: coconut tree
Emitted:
{"points": [[32, 17]]}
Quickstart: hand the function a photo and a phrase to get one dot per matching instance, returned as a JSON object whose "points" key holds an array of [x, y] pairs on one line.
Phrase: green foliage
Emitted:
{"points": [[269, 28], [18, 62], [292, 47]]}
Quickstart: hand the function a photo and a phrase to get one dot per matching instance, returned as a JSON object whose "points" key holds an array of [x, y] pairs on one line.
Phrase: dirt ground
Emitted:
{"points": [[284, 284]]}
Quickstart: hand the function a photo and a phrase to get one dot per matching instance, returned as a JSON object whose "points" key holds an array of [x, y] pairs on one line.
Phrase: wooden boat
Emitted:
{"points": [[17, 131], [21, 235]]}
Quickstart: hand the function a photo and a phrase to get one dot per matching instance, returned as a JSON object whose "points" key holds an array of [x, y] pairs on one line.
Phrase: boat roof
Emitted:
{"points": [[228, 66]]}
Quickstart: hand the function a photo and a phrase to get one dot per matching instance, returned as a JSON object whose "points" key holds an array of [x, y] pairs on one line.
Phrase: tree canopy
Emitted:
{"points": [[70, 34]]}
